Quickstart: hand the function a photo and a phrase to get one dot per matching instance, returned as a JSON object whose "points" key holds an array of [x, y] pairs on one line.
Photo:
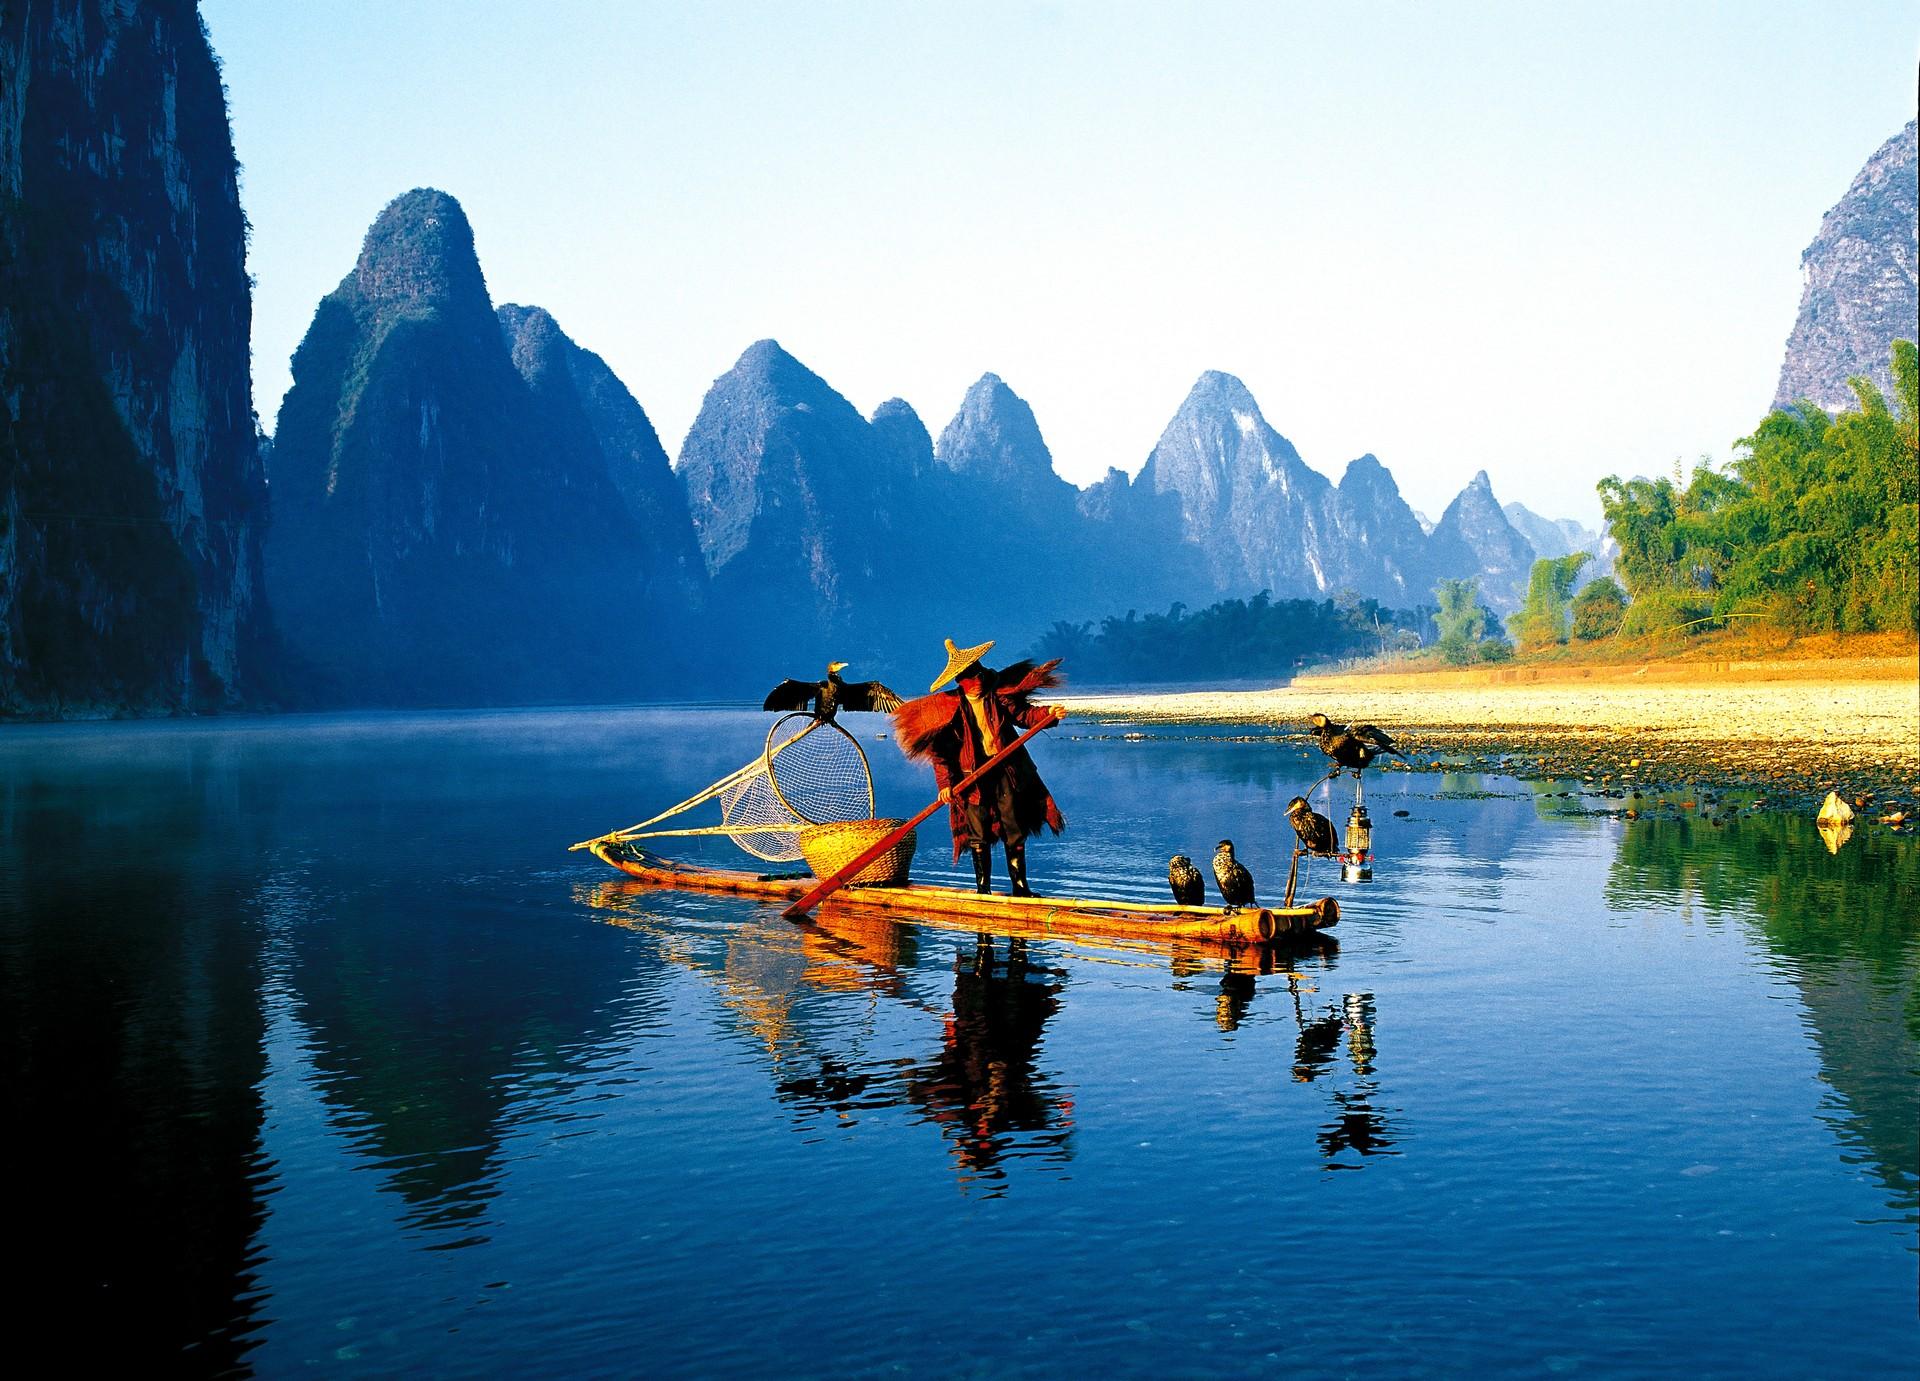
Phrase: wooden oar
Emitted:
{"points": [[828, 886]]}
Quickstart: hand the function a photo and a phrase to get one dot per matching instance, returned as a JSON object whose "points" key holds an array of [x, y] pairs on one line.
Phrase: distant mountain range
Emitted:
{"points": [[465, 499], [467, 507], [1563, 537], [854, 533]]}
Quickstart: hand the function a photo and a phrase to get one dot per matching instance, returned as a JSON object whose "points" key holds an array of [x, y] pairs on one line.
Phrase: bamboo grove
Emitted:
{"points": [[1812, 528]]}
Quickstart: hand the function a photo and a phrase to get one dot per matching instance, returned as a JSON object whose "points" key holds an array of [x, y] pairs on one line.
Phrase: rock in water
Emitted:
{"points": [[445, 531], [1861, 290], [131, 477]]}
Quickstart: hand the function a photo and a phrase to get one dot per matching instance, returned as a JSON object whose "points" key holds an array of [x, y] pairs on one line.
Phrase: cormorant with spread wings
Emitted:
{"points": [[832, 695]]}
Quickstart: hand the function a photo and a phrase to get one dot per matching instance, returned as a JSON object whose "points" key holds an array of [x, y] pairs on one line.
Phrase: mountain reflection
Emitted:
{"points": [[430, 1020], [1846, 930], [132, 1053]]}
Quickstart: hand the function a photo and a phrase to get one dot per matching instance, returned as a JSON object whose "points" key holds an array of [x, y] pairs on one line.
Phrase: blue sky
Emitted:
{"points": [[1550, 241]]}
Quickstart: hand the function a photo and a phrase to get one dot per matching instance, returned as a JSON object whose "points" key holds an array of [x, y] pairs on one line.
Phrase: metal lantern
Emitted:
{"points": [[1356, 854]]}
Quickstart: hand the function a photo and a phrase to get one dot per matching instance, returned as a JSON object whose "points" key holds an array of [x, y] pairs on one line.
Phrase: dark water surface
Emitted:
{"points": [[321, 1054]]}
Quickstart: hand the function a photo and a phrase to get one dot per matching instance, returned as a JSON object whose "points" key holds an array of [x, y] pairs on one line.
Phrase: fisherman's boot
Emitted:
{"points": [[982, 871], [1017, 869]]}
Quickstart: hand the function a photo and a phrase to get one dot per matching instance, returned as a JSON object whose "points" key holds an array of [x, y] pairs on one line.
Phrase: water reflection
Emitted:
{"points": [[799, 995], [984, 1089], [1344, 1027], [131, 1055], [849, 951], [346, 947], [1845, 928], [427, 1021]]}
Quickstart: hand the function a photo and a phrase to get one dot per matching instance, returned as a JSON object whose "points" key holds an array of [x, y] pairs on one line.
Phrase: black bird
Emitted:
{"points": [[1355, 745], [1189, 888], [1236, 883], [1315, 830], [832, 695]]}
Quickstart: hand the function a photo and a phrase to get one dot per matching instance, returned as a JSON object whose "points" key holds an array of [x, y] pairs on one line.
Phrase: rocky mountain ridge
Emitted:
{"points": [[1562, 537], [471, 508], [819, 528], [1861, 289], [466, 507]]}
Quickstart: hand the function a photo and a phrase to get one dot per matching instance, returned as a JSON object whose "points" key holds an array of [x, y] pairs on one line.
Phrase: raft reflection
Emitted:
{"points": [[803, 997]]}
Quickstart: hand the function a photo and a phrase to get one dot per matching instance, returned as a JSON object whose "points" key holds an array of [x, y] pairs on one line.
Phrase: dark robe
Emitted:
{"points": [[940, 728]]}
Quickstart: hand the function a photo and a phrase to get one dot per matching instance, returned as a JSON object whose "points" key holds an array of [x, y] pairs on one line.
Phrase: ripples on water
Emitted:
{"points": [[321, 1052]]}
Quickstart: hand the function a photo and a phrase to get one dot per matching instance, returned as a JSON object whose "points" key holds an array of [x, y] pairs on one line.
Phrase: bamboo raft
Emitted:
{"points": [[1263, 925]]}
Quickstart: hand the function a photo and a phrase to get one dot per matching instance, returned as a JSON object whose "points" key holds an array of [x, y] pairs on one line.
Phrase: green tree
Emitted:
{"points": [[1460, 620], [1542, 620], [1598, 609], [1640, 515], [1814, 528]]}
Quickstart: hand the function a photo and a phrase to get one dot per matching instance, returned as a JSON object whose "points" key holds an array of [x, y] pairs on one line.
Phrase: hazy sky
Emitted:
{"points": [[1550, 241]]}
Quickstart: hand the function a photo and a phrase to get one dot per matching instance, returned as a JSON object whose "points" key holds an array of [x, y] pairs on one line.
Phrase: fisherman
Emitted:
{"points": [[958, 730]]}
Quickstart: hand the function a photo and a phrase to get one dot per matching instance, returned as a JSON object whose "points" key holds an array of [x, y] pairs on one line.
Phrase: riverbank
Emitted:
{"points": [[1791, 730]]}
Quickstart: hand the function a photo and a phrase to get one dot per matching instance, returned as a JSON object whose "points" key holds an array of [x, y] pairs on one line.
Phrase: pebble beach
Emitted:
{"points": [[1794, 731]]}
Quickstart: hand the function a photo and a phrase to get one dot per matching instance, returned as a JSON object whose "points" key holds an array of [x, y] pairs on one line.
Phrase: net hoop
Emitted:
{"points": [[774, 750]]}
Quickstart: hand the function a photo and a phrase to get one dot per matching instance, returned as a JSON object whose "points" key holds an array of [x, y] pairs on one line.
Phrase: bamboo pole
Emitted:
{"points": [[759, 764]]}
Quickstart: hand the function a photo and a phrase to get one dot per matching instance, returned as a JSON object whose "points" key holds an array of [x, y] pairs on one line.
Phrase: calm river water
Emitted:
{"points": [[321, 1054]]}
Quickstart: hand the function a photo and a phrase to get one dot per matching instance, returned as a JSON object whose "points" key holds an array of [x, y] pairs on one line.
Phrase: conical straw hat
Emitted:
{"points": [[958, 660]]}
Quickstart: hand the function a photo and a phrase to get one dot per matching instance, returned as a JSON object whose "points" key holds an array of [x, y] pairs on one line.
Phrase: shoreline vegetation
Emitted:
{"points": [[1760, 638]]}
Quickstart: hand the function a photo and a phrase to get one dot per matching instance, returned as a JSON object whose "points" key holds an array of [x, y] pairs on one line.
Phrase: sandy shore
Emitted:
{"points": [[1797, 732]]}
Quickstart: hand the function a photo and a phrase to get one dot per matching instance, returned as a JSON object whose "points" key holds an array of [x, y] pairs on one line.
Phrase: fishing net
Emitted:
{"points": [[820, 775], [811, 772]]}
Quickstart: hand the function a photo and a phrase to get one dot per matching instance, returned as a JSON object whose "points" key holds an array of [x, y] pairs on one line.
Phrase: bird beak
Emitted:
{"points": [[832, 667]]}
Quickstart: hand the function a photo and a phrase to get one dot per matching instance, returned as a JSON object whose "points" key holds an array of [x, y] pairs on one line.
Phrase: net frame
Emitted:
{"points": [[816, 806], [762, 816]]}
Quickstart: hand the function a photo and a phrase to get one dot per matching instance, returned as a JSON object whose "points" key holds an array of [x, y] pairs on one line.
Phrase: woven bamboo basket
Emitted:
{"points": [[829, 848]]}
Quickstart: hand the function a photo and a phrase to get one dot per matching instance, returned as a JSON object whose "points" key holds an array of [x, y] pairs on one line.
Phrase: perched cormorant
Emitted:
{"points": [[832, 695], [1315, 830], [1355, 745], [1236, 883], [1189, 888]]}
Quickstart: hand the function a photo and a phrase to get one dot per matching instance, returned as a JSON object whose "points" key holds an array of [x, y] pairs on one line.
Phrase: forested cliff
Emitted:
{"points": [[132, 495]]}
